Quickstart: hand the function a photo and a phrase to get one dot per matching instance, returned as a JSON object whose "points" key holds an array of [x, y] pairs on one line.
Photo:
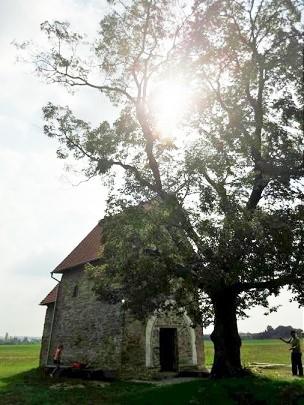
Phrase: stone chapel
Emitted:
{"points": [[106, 336]]}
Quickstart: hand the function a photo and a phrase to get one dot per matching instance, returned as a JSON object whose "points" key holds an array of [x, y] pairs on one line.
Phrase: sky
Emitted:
{"points": [[44, 214]]}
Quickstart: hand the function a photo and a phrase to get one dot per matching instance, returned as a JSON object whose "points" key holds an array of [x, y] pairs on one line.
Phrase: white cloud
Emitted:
{"points": [[42, 219], [43, 216]]}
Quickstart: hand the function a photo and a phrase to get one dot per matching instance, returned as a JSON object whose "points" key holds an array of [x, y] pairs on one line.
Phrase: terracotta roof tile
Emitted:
{"points": [[88, 250], [51, 297]]}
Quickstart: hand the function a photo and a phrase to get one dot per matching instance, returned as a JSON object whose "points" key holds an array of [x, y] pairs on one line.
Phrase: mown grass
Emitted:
{"points": [[257, 351], [15, 359], [21, 385]]}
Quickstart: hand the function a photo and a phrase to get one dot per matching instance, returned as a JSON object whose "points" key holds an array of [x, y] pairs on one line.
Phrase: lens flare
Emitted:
{"points": [[169, 102]]}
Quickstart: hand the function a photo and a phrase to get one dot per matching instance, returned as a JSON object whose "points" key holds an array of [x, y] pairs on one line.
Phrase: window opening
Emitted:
{"points": [[75, 291]]}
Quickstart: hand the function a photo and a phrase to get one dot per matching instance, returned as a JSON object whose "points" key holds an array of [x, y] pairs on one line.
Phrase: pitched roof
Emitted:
{"points": [[88, 250], [51, 297]]}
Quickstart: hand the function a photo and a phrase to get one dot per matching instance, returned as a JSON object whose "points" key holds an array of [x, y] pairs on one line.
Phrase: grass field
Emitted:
{"points": [[257, 351], [15, 359], [22, 383]]}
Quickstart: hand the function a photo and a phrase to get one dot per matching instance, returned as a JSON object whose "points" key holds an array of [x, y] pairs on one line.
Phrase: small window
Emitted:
{"points": [[75, 291]]}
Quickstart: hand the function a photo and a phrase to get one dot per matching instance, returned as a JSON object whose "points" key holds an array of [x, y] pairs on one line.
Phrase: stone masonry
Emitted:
{"points": [[107, 337]]}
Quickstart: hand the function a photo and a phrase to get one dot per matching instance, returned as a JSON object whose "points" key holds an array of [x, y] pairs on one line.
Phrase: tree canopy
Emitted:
{"points": [[209, 208]]}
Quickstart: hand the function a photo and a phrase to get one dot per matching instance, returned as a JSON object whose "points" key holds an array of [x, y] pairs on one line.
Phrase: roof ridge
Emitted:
{"points": [[87, 250]]}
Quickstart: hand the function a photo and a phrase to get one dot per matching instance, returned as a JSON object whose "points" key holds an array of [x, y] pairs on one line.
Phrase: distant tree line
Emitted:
{"points": [[269, 333], [18, 340]]}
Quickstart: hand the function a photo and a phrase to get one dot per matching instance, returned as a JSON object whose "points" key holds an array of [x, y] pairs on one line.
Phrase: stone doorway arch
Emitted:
{"points": [[186, 338]]}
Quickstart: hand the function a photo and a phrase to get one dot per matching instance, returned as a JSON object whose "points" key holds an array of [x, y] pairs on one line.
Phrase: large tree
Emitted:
{"points": [[207, 211]]}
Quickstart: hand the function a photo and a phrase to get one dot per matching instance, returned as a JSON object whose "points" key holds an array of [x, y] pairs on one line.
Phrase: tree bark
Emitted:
{"points": [[225, 336]]}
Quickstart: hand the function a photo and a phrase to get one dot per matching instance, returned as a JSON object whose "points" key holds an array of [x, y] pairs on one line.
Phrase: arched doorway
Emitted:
{"points": [[170, 342]]}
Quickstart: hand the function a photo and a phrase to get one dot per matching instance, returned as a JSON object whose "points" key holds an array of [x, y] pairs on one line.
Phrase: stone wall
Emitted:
{"points": [[200, 349], [90, 330], [108, 337], [133, 348]]}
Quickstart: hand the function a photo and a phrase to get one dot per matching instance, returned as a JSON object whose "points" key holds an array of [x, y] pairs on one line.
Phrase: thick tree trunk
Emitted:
{"points": [[225, 336]]}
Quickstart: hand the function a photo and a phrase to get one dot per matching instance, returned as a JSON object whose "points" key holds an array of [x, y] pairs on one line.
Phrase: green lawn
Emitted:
{"points": [[257, 351], [15, 359], [22, 383]]}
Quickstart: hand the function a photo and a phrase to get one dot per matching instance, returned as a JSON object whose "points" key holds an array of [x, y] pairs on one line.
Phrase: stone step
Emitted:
{"points": [[194, 373], [163, 375]]}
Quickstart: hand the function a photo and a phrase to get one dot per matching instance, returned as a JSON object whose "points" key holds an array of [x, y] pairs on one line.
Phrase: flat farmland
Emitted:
{"points": [[257, 351], [15, 359], [21, 382]]}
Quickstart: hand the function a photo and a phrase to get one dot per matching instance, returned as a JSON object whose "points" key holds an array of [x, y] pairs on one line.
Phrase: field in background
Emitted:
{"points": [[22, 383], [257, 351], [15, 359]]}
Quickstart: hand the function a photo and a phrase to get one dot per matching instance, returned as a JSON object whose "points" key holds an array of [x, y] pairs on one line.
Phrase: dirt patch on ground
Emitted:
{"points": [[68, 386]]}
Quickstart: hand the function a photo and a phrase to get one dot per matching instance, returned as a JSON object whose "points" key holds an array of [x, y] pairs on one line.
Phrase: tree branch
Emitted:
{"points": [[111, 162], [136, 174], [268, 284], [102, 88], [220, 190], [259, 184], [148, 135]]}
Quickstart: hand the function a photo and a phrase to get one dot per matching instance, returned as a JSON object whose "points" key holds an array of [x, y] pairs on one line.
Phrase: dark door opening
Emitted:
{"points": [[168, 349]]}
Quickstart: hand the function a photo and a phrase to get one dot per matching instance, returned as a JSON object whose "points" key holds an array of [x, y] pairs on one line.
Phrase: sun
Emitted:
{"points": [[168, 104]]}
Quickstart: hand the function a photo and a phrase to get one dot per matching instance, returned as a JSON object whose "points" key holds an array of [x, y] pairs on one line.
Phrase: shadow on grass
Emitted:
{"points": [[34, 388]]}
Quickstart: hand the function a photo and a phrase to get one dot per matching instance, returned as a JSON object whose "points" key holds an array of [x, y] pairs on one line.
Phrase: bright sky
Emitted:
{"points": [[43, 214]]}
